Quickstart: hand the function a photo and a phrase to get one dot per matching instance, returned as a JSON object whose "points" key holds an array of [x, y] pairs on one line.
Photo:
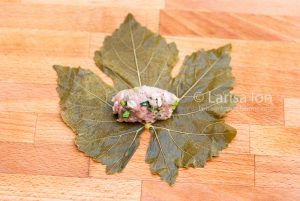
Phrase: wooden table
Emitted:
{"points": [[38, 159]]}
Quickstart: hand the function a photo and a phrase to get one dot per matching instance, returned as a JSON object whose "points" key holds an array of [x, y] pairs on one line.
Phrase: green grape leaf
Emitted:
{"points": [[185, 142], [196, 131], [134, 56], [87, 110], [205, 82]]}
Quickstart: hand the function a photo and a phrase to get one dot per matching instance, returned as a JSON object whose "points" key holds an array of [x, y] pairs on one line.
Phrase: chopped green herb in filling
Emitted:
{"points": [[123, 103], [125, 114], [174, 105]]}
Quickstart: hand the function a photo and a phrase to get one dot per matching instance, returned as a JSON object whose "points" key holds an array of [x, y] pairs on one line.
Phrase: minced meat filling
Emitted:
{"points": [[144, 104]]}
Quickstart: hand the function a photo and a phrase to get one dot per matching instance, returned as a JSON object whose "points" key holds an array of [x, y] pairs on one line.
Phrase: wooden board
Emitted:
{"points": [[39, 160]]}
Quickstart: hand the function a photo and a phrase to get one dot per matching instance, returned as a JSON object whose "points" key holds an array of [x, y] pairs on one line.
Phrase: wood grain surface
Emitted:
{"points": [[38, 158]]}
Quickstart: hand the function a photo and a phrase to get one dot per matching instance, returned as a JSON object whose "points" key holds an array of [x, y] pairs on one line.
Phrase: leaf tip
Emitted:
{"points": [[129, 17], [60, 68], [55, 67], [228, 47]]}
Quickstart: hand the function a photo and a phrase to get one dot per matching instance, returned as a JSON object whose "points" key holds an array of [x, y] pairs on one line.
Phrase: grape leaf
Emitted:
{"points": [[195, 132], [86, 109], [205, 77], [133, 56], [185, 142]]}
